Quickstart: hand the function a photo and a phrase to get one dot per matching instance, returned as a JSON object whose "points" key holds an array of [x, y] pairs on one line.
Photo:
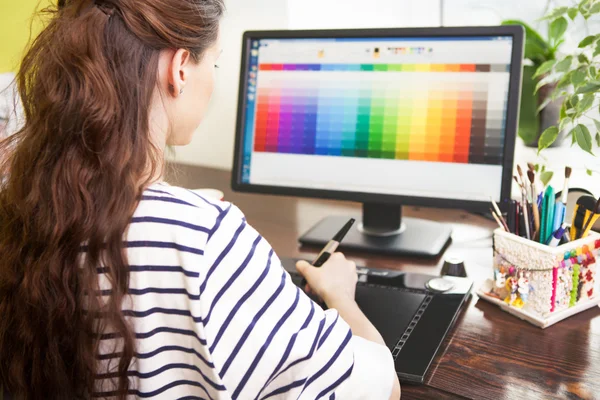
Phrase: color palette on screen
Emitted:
{"points": [[405, 117], [387, 67]]}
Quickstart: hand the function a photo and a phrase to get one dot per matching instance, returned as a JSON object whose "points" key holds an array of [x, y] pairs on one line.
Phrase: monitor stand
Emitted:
{"points": [[383, 230]]}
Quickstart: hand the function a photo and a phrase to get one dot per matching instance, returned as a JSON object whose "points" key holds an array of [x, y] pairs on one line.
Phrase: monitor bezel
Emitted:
{"points": [[512, 117]]}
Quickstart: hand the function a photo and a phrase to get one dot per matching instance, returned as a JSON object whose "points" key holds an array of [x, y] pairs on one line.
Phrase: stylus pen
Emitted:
{"points": [[332, 245]]}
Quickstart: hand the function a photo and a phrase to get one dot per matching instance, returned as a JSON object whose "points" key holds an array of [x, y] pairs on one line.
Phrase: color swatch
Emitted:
{"points": [[426, 116]]}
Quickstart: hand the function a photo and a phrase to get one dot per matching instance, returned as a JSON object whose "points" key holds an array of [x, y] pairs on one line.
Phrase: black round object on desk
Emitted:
{"points": [[454, 266]]}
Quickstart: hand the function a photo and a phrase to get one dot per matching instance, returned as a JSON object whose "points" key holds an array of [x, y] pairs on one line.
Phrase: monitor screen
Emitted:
{"points": [[420, 117]]}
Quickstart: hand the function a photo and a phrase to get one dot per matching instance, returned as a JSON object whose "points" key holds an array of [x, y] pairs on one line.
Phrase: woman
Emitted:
{"points": [[115, 284]]}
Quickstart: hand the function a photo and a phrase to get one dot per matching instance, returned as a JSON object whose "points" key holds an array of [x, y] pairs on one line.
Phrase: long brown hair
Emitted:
{"points": [[70, 181]]}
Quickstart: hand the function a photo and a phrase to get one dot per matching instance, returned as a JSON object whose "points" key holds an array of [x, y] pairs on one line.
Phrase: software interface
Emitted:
{"points": [[403, 116]]}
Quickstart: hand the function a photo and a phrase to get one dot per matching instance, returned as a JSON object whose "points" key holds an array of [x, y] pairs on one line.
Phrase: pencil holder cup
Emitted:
{"points": [[542, 280]]}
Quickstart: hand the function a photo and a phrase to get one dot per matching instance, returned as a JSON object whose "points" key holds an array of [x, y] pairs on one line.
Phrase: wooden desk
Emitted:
{"points": [[489, 354]]}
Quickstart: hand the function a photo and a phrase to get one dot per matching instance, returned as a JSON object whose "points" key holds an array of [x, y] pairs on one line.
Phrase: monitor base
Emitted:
{"points": [[421, 238]]}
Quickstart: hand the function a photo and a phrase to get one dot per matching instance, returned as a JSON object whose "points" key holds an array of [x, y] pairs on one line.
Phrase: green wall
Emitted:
{"points": [[16, 17]]}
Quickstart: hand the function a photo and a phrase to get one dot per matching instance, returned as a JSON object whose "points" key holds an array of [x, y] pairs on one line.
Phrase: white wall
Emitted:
{"points": [[493, 12], [213, 143], [332, 14]]}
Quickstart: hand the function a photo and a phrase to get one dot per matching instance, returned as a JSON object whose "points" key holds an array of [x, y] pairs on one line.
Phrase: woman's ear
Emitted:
{"points": [[179, 71]]}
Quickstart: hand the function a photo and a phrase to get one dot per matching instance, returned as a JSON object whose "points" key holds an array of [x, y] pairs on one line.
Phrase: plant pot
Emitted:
{"points": [[532, 123], [549, 116]]}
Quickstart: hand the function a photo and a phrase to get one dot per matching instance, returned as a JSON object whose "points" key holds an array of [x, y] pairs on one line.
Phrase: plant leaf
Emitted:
{"points": [[536, 167], [542, 82], [557, 29], [597, 51], [578, 77], [582, 58], [574, 100], [583, 138], [546, 177], [544, 104], [548, 137], [595, 8], [536, 48], [545, 67], [598, 138], [572, 12], [563, 122], [585, 103], [584, 5], [565, 80], [592, 71], [558, 94], [564, 65], [587, 41], [590, 87], [597, 123], [557, 44], [589, 172], [557, 12]]}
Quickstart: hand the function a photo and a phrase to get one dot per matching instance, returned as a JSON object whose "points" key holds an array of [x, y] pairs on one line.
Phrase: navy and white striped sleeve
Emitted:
{"points": [[268, 340]]}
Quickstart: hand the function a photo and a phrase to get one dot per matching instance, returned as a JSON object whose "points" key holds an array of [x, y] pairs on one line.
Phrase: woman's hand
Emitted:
{"points": [[334, 281]]}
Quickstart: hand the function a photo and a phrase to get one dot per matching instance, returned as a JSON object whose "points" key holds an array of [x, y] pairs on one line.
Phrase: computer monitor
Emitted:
{"points": [[385, 117]]}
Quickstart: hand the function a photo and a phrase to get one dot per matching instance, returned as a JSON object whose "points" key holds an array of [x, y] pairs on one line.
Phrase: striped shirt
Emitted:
{"points": [[216, 316]]}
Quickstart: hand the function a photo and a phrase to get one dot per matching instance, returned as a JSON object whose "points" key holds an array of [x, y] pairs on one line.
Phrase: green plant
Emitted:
{"points": [[538, 51], [575, 78]]}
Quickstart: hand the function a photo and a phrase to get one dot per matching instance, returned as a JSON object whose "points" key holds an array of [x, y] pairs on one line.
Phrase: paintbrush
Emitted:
{"points": [[534, 206], [565, 191], [498, 221], [516, 178], [524, 184], [501, 218], [561, 207], [520, 172], [525, 207], [524, 200]]}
